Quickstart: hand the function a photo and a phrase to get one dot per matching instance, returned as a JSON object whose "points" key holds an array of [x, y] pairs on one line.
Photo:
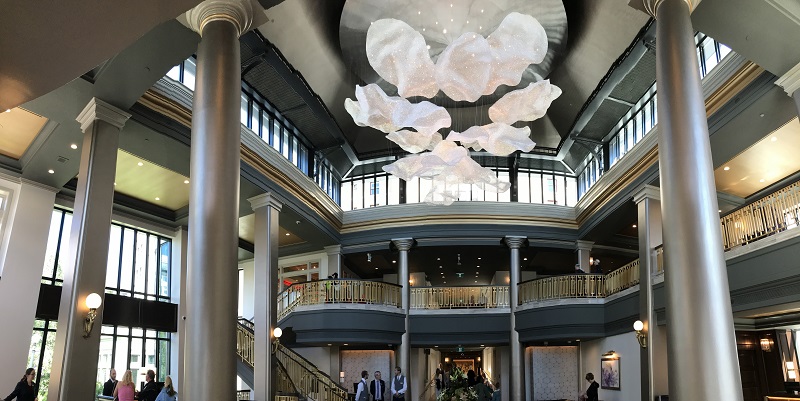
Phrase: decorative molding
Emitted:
{"points": [[333, 250], [42, 137], [790, 82], [651, 6], [27, 182], [582, 245], [240, 13], [738, 81], [97, 109], [403, 244], [267, 199], [647, 192], [789, 8], [515, 242]]}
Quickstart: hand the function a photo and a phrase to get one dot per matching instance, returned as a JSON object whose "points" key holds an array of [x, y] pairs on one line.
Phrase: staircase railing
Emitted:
{"points": [[308, 380], [245, 344]]}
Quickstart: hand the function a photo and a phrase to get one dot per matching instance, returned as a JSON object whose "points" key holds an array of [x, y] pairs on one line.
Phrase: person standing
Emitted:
{"points": [[361, 392], [439, 380], [26, 389], [108, 387], [398, 385], [378, 388], [496, 396], [150, 390], [591, 392], [167, 392], [125, 389], [484, 392]]}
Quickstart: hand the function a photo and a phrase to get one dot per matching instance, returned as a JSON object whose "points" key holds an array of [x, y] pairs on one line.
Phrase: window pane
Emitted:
{"points": [[393, 189], [346, 195], [52, 245], [112, 266], [504, 196], [254, 123], [536, 188], [412, 191], [175, 73], [152, 265], [164, 268], [163, 360], [572, 191], [264, 133], [380, 191], [136, 364], [524, 187], [369, 200], [64, 247], [121, 355], [127, 261], [140, 272], [560, 197], [150, 351], [358, 195], [276, 135], [477, 194], [189, 73], [549, 190], [244, 110], [285, 144]]}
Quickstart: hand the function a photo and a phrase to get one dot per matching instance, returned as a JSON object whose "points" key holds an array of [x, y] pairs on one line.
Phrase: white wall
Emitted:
{"points": [[627, 348], [320, 357], [554, 371], [249, 288], [353, 362]]}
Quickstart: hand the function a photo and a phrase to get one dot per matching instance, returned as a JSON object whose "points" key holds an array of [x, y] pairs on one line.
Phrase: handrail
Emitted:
{"points": [[336, 292], [776, 212], [660, 259], [245, 344], [246, 323], [487, 297], [309, 381], [559, 287], [625, 277]]}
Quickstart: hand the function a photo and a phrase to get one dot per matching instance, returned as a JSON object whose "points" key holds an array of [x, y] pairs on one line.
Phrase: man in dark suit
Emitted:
{"points": [[108, 387], [377, 388], [150, 389]]}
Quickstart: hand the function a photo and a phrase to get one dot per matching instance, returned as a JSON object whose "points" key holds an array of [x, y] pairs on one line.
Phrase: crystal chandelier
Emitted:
{"points": [[471, 66]]}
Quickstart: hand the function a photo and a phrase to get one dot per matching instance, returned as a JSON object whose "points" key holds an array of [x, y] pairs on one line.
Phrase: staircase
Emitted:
{"points": [[296, 376]]}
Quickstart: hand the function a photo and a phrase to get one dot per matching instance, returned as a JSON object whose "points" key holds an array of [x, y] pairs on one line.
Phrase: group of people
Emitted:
{"points": [[378, 390], [125, 390]]}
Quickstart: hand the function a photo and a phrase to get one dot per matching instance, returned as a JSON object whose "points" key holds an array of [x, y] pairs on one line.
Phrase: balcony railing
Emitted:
{"points": [[623, 278], [560, 287], [779, 211], [492, 296], [337, 292]]}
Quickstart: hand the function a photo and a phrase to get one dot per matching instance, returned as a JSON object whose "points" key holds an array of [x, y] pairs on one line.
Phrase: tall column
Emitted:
{"points": [[178, 283], [584, 250], [101, 124], [265, 266], [695, 272], [649, 227], [516, 371], [404, 245], [211, 282], [28, 224], [334, 253]]}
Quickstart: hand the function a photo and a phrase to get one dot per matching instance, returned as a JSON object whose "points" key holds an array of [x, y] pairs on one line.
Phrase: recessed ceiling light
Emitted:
{"points": [[435, 346], [51, 171], [479, 258], [478, 266], [440, 267], [761, 180], [444, 282], [140, 164], [287, 234], [115, 184], [185, 181], [726, 168], [438, 258], [451, 20], [774, 138], [476, 281], [344, 344], [761, 115], [73, 146], [330, 345], [157, 198], [394, 261], [376, 268], [429, 47], [720, 210], [444, 30], [8, 110], [634, 226], [524, 258]]}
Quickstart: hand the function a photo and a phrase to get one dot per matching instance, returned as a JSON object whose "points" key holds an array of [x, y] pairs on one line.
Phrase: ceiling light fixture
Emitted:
{"points": [[140, 164], [185, 181], [726, 168], [51, 171], [158, 199], [634, 226], [73, 146], [470, 67], [774, 138], [761, 180], [8, 110], [524, 258], [287, 234], [394, 261]]}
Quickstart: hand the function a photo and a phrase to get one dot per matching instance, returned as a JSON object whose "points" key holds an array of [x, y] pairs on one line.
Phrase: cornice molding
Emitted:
{"points": [[790, 82], [267, 199], [514, 242], [651, 6], [97, 109], [582, 245], [647, 192], [240, 13], [403, 244]]}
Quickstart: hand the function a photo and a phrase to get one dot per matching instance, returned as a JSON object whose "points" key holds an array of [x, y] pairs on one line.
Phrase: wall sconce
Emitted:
{"points": [[93, 302], [638, 326], [341, 377], [766, 344], [446, 360], [610, 354], [479, 359]]}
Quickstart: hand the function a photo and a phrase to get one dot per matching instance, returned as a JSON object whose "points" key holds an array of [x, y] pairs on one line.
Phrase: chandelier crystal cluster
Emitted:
{"points": [[470, 67]]}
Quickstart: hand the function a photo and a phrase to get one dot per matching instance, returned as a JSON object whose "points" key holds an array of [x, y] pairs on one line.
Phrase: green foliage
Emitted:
{"points": [[459, 389]]}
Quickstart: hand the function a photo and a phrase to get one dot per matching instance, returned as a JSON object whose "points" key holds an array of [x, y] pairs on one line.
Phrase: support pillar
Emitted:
{"points": [[584, 250], [334, 253], [178, 294], [695, 271], [790, 82], [94, 198], [267, 210], [649, 227], [211, 283], [404, 245], [516, 372], [28, 224]]}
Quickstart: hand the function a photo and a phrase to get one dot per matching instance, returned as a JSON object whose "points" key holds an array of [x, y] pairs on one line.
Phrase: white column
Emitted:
{"points": [[648, 202], [584, 250], [790, 82], [265, 266], [94, 198], [180, 241], [29, 225], [404, 245], [334, 253], [516, 360]]}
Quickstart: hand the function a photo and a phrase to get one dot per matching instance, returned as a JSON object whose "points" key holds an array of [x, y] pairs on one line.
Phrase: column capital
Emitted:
{"points": [[97, 109], [263, 200], [647, 192], [243, 14], [403, 244], [515, 242], [333, 250], [582, 245], [790, 82], [651, 6]]}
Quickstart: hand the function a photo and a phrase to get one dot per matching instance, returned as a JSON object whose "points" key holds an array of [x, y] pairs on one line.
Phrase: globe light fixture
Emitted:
{"points": [[93, 302]]}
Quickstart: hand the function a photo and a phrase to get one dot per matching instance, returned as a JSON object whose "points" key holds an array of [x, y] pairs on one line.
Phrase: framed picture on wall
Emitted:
{"points": [[609, 372]]}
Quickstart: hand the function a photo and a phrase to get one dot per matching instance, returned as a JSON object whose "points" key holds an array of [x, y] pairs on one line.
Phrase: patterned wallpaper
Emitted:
{"points": [[555, 373], [353, 362]]}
